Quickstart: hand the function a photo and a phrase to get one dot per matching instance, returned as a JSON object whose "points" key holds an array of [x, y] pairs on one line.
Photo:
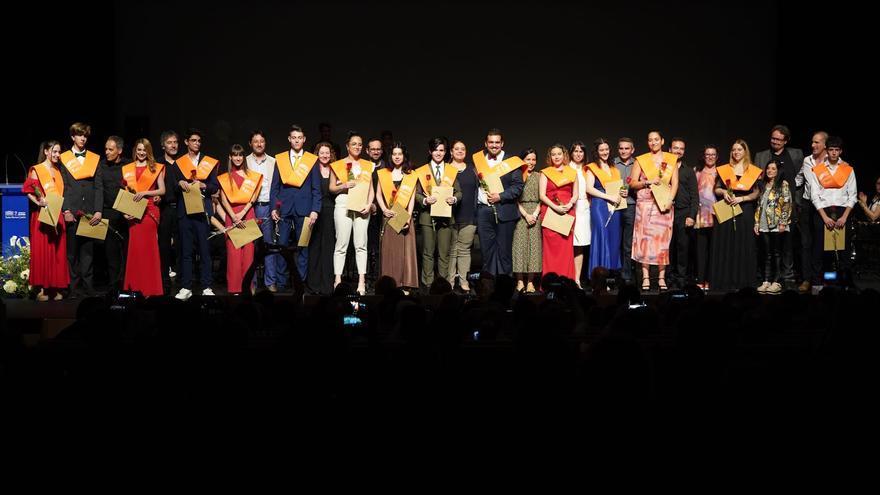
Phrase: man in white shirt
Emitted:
{"points": [[260, 162], [811, 253]]}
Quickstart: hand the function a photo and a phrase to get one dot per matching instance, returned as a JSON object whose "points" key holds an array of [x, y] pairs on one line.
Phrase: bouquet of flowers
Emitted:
{"points": [[15, 274]]}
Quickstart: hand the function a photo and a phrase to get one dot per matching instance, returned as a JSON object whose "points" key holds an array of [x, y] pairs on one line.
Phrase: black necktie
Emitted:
{"points": [[81, 154]]}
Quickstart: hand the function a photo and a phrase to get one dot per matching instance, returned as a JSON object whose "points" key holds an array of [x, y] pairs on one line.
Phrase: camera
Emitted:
{"points": [[352, 321], [473, 277]]}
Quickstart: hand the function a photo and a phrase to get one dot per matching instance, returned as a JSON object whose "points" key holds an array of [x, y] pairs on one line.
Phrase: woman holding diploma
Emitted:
{"points": [[344, 176], [323, 239], [48, 264], [396, 185], [652, 229], [604, 220], [147, 179], [558, 192], [239, 189], [733, 259]]}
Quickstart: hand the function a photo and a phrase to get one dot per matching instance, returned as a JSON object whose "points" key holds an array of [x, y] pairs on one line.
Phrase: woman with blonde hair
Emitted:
{"points": [[146, 179]]}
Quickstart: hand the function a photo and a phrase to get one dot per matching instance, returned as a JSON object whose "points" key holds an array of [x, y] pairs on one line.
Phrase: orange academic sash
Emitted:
{"points": [[425, 173], [51, 183], [294, 174], [79, 170], [646, 163], [340, 168], [744, 183], [145, 183], [604, 177], [835, 180], [507, 165], [393, 195], [185, 164], [250, 187], [566, 176]]}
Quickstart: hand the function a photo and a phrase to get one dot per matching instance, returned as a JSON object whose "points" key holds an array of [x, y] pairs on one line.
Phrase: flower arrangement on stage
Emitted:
{"points": [[15, 274]]}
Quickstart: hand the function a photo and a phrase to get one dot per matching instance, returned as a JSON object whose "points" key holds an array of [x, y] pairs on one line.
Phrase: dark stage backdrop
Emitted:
{"points": [[544, 73]]}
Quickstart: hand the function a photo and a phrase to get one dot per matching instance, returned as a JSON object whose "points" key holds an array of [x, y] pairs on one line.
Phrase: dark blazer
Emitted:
{"points": [[686, 199], [297, 201], [793, 162], [513, 186], [84, 194], [111, 178], [211, 187]]}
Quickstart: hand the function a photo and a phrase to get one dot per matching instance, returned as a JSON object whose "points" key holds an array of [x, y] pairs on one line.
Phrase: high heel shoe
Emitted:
{"points": [[646, 284], [361, 290], [661, 284]]}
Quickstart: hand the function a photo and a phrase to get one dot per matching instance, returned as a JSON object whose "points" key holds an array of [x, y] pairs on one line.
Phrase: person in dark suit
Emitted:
{"points": [[83, 191], [497, 214], [291, 204], [790, 161], [686, 206], [195, 169]]}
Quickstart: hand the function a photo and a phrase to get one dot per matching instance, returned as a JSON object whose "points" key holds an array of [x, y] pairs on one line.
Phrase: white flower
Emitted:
{"points": [[25, 274], [10, 286]]}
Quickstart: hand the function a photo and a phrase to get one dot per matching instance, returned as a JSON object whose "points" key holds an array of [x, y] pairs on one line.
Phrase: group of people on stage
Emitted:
{"points": [[583, 214]]}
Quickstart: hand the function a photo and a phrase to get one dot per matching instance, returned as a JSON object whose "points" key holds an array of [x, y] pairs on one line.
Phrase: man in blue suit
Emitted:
{"points": [[291, 204], [497, 214]]}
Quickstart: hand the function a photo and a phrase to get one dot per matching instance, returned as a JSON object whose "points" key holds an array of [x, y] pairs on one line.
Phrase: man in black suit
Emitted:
{"points": [[686, 206], [497, 214], [111, 177], [790, 161]]}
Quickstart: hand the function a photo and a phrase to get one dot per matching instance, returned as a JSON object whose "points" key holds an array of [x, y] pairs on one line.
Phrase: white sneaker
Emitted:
{"points": [[774, 288], [763, 288], [184, 294], [208, 292]]}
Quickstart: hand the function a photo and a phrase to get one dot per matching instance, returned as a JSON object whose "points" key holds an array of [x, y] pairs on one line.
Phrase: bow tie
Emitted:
{"points": [[81, 154]]}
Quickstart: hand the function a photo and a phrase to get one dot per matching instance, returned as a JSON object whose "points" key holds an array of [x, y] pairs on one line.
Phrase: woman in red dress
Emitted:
{"points": [[558, 191], [48, 264], [147, 179], [240, 187]]}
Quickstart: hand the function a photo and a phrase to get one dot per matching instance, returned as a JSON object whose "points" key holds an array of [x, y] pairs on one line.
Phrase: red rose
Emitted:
{"points": [[79, 213], [629, 179], [259, 221], [348, 166], [663, 165], [124, 183], [278, 205], [480, 175], [727, 181], [393, 192], [192, 175], [427, 176]]}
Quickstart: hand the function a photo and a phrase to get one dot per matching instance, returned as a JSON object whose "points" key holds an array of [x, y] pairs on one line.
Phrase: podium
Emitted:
{"points": [[14, 228]]}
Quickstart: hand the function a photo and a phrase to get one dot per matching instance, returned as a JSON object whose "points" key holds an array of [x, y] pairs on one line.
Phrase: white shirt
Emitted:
{"points": [[82, 158], [265, 167], [845, 196], [582, 181], [481, 193], [800, 181], [434, 172]]}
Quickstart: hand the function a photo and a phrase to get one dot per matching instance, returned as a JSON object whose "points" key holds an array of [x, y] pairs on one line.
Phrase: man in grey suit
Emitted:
{"points": [[790, 161]]}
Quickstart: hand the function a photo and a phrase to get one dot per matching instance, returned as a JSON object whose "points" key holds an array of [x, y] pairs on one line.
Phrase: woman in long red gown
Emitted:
{"points": [[147, 179], [559, 191], [48, 263], [240, 189]]}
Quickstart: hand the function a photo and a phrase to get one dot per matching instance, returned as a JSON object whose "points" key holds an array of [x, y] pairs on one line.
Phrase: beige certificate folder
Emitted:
{"points": [[724, 212], [125, 203], [614, 188], [357, 197], [306, 235], [400, 219], [49, 215], [558, 223], [192, 200], [441, 208], [493, 182], [662, 195], [835, 240], [249, 233], [84, 229]]}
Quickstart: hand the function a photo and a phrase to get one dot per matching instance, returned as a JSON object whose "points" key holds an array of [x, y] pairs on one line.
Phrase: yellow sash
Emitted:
{"points": [[646, 163], [145, 183], [249, 189], [340, 168], [391, 194], [294, 174], [185, 164], [425, 173], [744, 183], [50, 183], [829, 180], [566, 176], [79, 170], [604, 177], [500, 169]]}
